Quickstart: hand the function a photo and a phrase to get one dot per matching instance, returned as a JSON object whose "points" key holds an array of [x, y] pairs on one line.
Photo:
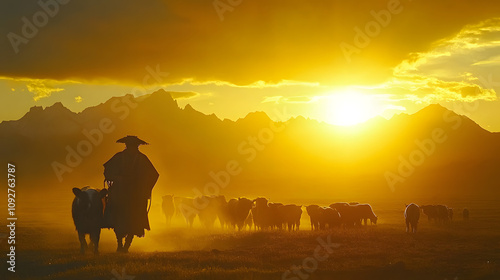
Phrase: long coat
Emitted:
{"points": [[133, 176]]}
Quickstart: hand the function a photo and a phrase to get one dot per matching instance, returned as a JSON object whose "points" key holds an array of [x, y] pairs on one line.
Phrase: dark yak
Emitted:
{"points": [[87, 211], [328, 217], [290, 215], [438, 213], [314, 214], [412, 215], [238, 211]]}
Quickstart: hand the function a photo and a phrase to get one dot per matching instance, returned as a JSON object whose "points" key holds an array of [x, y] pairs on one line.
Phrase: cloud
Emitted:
{"points": [[290, 99], [78, 99], [257, 84], [41, 90], [454, 69], [184, 95], [114, 41], [39, 87]]}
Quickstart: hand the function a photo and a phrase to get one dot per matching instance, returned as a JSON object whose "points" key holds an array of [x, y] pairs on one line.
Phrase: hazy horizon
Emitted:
{"points": [[236, 139]]}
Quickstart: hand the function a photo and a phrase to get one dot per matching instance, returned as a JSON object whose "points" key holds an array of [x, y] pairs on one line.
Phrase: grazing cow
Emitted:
{"points": [[443, 214], [314, 214], [328, 217], [275, 215], [431, 211], [412, 215], [238, 211], [465, 214], [438, 213], [348, 215], [290, 215], [168, 208], [365, 212], [87, 211], [338, 205]]}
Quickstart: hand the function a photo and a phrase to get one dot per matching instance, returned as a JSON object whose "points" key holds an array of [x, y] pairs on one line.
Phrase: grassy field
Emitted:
{"points": [[48, 249]]}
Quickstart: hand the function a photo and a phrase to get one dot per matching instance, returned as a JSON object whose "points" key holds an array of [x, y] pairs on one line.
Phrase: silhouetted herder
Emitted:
{"points": [[131, 178]]}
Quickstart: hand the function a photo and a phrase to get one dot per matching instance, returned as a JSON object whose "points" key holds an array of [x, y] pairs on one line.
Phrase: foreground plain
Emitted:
{"points": [[457, 250]]}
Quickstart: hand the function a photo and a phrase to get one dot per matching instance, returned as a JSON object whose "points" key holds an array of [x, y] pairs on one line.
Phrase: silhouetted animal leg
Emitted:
{"points": [[119, 240], [128, 242], [94, 237], [83, 242]]}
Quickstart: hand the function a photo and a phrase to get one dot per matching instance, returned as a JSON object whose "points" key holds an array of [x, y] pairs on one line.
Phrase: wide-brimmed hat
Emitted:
{"points": [[132, 140]]}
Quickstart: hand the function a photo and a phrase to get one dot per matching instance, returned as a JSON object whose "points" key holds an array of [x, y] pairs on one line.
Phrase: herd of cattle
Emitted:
{"points": [[88, 205], [261, 214]]}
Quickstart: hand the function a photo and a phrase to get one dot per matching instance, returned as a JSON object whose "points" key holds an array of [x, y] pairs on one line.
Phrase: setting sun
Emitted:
{"points": [[232, 139], [349, 107]]}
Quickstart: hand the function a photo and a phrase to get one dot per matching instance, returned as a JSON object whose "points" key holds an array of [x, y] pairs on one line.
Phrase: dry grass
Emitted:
{"points": [[458, 250]]}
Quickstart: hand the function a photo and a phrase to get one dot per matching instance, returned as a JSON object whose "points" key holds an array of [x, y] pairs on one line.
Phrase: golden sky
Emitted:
{"points": [[333, 60]]}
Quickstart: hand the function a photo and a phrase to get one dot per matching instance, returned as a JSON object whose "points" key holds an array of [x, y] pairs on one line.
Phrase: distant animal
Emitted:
{"points": [[337, 205], [431, 212], [261, 214], [450, 214], [290, 216], [220, 205], [208, 209], [412, 215], [313, 212], [328, 217], [238, 211], [275, 217], [438, 213], [465, 214], [348, 215], [87, 211], [187, 208], [177, 202], [168, 208], [443, 213], [365, 212]]}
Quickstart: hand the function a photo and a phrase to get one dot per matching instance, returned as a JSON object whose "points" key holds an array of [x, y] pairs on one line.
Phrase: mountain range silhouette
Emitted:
{"points": [[56, 149]]}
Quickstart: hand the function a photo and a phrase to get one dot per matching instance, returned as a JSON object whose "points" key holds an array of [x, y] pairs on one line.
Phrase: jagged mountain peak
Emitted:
{"points": [[162, 96]]}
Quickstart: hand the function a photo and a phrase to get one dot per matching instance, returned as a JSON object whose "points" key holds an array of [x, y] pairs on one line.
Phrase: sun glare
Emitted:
{"points": [[350, 107]]}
